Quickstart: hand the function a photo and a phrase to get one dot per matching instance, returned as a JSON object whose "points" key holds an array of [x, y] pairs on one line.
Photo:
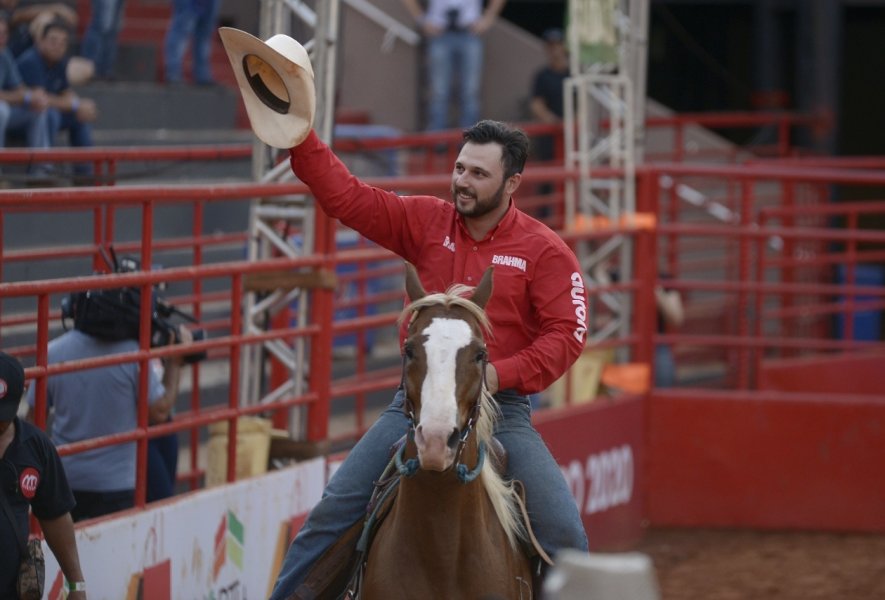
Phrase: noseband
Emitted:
{"points": [[465, 475]]}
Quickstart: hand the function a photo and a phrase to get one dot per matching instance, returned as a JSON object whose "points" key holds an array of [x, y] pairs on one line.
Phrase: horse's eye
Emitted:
{"points": [[481, 356], [408, 351]]}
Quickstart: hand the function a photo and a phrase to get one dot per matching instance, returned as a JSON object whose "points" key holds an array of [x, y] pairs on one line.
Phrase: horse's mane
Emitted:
{"points": [[501, 493]]}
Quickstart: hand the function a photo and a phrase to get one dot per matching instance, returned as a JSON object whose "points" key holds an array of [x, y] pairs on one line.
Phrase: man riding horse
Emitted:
{"points": [[537, 313]]}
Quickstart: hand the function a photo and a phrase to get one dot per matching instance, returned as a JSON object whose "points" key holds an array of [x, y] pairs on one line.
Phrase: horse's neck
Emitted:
{"points": [[444, 501]]}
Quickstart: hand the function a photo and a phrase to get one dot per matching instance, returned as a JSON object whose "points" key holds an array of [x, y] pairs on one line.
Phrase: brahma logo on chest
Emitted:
{"points": [[509, 261]]}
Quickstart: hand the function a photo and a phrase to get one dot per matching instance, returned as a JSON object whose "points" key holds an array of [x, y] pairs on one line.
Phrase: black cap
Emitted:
{"points": [[12, 384], [554, 35]]}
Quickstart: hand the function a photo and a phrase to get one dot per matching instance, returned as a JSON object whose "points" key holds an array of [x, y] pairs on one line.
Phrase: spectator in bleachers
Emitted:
{"points": [[546, 104], [103, 401], [22, 111], [23, 13], [670, 316], [45, 67], [100, 39], [453, 30], [192, 22]]}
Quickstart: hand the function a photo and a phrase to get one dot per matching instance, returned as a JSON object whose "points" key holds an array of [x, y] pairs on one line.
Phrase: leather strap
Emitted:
{"points": [[520, 500], [22, 544]]}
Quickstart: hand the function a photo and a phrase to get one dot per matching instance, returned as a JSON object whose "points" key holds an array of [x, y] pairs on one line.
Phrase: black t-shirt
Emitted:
{"points": [[548, 87], [31, 474]]}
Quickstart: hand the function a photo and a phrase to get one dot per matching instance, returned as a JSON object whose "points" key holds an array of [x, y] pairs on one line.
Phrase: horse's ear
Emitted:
{"points": [[413, 283], [483, 291]]}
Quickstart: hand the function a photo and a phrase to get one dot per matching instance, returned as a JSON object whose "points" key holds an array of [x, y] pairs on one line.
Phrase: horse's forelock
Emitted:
{"points": [[453, 297]]}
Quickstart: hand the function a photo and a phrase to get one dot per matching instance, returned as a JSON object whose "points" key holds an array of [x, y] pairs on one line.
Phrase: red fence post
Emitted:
{"points": [[144, 364], [42, 359], [322, 312], [233, 402], [743, 303], [645, 313]]}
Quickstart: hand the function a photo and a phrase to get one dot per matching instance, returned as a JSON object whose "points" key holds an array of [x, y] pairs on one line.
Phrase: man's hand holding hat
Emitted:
{"points": [[276, 83]]}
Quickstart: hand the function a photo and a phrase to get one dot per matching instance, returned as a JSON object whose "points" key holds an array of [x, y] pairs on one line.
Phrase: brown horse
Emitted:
{"points": [[453, 530]]}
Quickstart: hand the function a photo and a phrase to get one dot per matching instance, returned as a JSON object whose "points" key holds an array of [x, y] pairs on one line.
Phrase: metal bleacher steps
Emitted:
{"points": [[134, 114]]}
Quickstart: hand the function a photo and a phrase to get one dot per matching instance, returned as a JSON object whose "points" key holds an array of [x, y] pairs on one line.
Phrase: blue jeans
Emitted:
{"points": [[19, 121], [448, 54], [79, 134], [665, 367], [100, 39], [162, 467], [554, 513], [190, 18]]}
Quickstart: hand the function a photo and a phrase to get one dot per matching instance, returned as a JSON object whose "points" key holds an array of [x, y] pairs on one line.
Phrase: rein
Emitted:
{"points": [[411, 465]]}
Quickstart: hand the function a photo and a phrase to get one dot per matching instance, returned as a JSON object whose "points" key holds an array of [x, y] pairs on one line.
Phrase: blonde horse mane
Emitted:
{"points": [[501, 493]]}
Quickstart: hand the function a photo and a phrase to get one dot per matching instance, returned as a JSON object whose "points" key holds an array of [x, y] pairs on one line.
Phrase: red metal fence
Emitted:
{"points": [[754, 265]]}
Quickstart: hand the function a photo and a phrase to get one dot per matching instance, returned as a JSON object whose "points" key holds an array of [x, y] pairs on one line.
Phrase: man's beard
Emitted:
{"points": [[481, 206]]}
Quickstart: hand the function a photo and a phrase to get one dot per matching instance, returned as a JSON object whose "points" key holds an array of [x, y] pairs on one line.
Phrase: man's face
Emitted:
{"points": [[557, 56], [478, 185], [53, 45], [4, 425]]}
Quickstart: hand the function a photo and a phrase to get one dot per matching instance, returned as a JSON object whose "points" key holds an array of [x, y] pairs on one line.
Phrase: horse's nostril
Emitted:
{"points": [[454, 438]]}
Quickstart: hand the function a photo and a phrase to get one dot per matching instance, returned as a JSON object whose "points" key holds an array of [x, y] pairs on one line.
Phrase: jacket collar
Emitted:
{"points": [[504, 224]]}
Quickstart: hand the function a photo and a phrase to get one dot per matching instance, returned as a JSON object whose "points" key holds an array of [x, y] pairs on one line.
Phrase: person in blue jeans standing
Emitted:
{"points": [[453, 30], [100, 39], [191, 19]]}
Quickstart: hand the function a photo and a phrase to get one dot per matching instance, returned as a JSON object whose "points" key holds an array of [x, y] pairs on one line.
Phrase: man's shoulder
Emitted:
{"points": [[74, 338], [30, 434], [28, 59], [542, 237]]}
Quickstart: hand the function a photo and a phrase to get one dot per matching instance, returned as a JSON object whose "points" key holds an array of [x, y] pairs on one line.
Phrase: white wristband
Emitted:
{"points": [[75, 586]]}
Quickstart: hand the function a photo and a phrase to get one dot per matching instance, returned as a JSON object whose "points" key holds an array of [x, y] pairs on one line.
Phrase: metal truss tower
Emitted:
{"points": [[284, 226], [603, 120]]}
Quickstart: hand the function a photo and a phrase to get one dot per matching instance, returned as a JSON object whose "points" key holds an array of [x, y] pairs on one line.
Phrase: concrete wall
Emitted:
{"points": [[386, 83]]}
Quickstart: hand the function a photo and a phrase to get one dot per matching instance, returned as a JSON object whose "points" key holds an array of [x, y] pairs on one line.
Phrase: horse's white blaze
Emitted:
{"points": [[439, 407]]}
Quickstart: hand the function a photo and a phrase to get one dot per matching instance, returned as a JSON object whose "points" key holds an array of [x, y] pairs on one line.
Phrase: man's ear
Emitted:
{"points": [[512, 183]]}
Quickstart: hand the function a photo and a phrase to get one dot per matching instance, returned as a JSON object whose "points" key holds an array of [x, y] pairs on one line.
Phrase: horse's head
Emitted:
{"points": [[444, 368]]}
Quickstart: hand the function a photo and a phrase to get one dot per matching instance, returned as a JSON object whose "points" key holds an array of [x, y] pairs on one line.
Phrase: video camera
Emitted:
{"points": [[114, 314]]}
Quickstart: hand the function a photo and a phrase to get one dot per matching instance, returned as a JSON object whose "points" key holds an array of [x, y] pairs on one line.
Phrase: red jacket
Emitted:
{"points": [[538, 309]]}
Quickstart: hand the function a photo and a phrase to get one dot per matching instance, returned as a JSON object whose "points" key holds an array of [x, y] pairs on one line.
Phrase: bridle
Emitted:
{"points": [[410, 467]]}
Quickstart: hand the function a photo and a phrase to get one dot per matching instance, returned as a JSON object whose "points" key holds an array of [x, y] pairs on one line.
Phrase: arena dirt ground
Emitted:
{"points": [[707, 564]]}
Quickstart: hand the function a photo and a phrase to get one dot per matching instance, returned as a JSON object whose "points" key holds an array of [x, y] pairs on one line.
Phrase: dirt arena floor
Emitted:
{"points": [[710, 564]]}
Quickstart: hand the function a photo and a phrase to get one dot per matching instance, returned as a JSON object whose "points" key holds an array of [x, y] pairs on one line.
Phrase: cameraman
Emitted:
{"points": [[103, 401]]}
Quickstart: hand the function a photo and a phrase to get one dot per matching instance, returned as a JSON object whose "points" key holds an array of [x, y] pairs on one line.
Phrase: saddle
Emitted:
{"points": [[337, 574]]}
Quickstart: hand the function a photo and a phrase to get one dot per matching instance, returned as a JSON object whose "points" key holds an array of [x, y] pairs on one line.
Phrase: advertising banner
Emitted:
{"points": [[600, 448], [225, 542]]}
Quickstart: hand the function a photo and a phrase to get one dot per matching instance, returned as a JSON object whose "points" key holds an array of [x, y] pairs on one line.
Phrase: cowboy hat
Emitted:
{"points": [[276, 82]]}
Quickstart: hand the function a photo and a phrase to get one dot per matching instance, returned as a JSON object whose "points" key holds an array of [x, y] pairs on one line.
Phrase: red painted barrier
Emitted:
{"points": [[839, 374], [766, 460], [601, 449]]}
